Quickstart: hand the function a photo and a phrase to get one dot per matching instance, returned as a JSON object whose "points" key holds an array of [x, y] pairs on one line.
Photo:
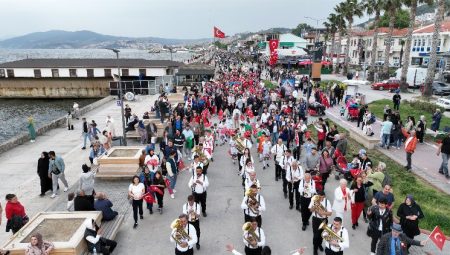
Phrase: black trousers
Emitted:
{"points": [[200, 198], [137, 204], [306, 213], [278, 171], [317, 233], [330, 252], [188, 252], [249, 251], [297, 152], [258, 219], [293, 189], [285, 182], [324, 179], [160, 198], [196, 225], [107, 246], [376, 235], [205, 169]]}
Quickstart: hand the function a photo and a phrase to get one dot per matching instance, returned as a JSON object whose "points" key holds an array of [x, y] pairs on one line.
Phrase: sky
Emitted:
{"points": [[184, 19]]}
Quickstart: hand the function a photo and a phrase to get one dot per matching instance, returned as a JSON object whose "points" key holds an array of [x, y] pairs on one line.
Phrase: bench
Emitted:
{"points": [[109, 229]]}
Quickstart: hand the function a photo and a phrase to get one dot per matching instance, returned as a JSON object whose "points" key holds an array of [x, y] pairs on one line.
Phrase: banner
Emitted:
{"points": [[273, 45]]}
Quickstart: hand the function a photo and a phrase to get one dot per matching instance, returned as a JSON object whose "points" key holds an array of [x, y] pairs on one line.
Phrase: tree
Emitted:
{"points": [[402, 19], [391, 7], [412, 4], [349, 9], [433, 55], [302, 27], [340, 25], [374, 6], [331, 26]]}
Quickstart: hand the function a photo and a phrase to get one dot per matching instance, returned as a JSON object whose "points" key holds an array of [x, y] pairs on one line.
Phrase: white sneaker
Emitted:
{"points": [[32, 141], [53, 196], [372, 253], [66, 189], [174, 191], [172, 196]]}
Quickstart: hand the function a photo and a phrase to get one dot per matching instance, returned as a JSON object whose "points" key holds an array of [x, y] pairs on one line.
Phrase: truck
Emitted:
{"points": [[415, 76]]}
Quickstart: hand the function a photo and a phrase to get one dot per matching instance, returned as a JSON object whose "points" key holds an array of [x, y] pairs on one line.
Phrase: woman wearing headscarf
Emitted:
{"points": [[410, 213], [42, 171], [31, 129], [38, 246], [142, 132]]}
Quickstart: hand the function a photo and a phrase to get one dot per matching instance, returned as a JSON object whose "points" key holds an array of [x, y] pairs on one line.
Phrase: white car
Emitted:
{"points": [[444, 102], [356, 82]]}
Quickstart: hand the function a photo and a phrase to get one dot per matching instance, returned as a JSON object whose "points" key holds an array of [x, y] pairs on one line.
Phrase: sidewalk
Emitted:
{"points": [[425, 163], [18, 172]]}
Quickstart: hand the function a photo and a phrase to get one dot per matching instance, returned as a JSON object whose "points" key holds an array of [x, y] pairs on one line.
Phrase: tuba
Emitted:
{"points": [[180, 233], [252, 203], [239, 144], [317, 206], [251, 236], [328, 234], [201, 155]]}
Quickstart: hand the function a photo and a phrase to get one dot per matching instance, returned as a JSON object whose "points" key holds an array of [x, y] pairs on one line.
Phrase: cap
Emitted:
{"points": [[396, 227]]}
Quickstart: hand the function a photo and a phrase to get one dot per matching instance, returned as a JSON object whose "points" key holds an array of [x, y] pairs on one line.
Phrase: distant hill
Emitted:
{"points": [[58, 39]]}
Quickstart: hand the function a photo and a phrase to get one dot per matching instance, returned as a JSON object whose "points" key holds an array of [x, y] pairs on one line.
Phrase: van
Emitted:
{"points": [[415, 76]]}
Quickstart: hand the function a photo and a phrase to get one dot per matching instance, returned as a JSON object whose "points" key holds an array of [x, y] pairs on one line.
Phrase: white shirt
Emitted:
{"points": [[307, 189], [262, 205], [244, 160], [264, 117], [278, 150], [187, 210], [137, 190], [248, 182], [247, 143], [147, 160], [194, 166], [342, 245], [190, 230], [205, 152], [262, 238], [286, 162], [294, 174], [196, 187], [380, 227], [339, 200], [325, 203]]}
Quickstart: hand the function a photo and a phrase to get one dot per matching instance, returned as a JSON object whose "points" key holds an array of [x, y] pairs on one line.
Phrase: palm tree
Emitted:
{"points": [[435, 40], [374, 6], [349, 9], [412, 4], [391, 7], [331, 29], [340, 25]]}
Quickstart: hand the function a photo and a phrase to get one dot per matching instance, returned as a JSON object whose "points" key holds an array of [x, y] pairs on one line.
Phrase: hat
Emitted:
{"points": [[85, 168], [396, 227]]}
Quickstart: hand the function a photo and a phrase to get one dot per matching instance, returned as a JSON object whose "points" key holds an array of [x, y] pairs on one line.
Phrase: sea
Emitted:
{"points": [[14, 113]]}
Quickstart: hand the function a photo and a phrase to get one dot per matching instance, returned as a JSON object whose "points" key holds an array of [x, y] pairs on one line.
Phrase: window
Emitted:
{"points": [[142, 72], [429, 42], [108, 73], [415, 42], [10, 73], [125, 72], [37, 73], [423, 42], [2, 73], [439, 42], [90, 73], [73, 73], [55, 73]]}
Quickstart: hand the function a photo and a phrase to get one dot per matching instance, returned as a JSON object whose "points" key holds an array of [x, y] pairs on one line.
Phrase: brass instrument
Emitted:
{"points": [[201, 155], [180, 233], [317, 206], [193, 215], [251, 236], [240, 146], [253, 203], [306, 190], [328, 234]]}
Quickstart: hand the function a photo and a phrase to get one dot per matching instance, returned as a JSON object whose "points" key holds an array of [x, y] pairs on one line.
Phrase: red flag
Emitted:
{"points": [[273, 44], [218, 33], [438, 237], [149, 198]]}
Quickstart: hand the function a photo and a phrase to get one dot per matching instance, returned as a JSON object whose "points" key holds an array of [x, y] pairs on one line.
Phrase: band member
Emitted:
{"points": [[192, 210], [334, 246], [252, 180], [321, 211], [253, 204], [198, 183], [244, 163], [306, 189], [285, 162], [209, 143], [204, 155], [380, 222], [184, 243], [341, 199], [248, 145], [254, 238], [294, 174], [278, 150], [196, 163]]}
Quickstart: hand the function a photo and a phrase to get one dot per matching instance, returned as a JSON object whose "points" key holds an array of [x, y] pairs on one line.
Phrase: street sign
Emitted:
{"points": [[119, 102]]}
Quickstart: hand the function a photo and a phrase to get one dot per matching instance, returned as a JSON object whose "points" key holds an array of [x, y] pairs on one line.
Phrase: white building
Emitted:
{"points": [[289, 45], [422, 39]]}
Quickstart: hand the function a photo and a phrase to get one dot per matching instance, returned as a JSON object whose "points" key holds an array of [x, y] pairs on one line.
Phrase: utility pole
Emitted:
{"points": [[120, 96]]}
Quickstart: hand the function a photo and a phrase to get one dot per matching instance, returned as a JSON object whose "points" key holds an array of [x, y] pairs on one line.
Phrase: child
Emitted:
{"points": [[342, 111], [233, 150], [267, 145]]}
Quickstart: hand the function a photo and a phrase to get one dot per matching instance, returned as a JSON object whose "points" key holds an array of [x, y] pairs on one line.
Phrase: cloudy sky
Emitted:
{"points": [[161, 18]]}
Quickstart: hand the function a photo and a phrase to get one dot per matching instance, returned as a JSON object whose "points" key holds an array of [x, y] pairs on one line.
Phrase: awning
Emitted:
{"points": [[262, 45]]}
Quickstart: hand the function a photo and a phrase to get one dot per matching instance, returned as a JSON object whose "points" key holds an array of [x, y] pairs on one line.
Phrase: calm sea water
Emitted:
{"points": [[15, 112]]}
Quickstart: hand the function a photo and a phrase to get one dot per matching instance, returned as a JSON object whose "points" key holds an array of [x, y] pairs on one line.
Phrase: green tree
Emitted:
{"points": [[301, 28], [374, 7], [391, 7], [332, 29], [402, 19]]}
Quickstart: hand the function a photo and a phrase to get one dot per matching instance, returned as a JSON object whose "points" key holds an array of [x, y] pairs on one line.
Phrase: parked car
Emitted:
{"points": [[440, 88], [444, 102], [391, 84], [356, 82]]}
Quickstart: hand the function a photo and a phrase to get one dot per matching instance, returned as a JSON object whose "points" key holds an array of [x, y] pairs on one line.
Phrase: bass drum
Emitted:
{"points": [[129, 96]]}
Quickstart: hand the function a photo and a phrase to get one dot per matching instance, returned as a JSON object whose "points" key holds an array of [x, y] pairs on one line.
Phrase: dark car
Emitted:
{"points": [[440, 88]]}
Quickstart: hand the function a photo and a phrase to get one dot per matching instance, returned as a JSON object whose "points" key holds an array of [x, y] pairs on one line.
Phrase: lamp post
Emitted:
{"points": [[120, 96], [317, 26], [308, 91]]}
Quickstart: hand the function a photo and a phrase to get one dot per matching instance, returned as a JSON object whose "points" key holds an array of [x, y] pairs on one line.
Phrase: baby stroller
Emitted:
{"points": [[342, 167], [316, 109], [352, 112]]}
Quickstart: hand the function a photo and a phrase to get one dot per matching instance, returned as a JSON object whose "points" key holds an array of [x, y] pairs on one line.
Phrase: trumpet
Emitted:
{"points": [[251, 235], [193, 215], [252, 202], [328, 234], [317, 206], [180, 233]]}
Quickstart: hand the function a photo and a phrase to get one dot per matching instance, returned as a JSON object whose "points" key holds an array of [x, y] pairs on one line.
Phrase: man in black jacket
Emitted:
{"points": [[361, 114], [397, 239], [380, 222]]}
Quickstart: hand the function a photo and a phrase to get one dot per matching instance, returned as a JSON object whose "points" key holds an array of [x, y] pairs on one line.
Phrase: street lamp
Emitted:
{"points": [[317, 26], [120, 96], [170, 50]]}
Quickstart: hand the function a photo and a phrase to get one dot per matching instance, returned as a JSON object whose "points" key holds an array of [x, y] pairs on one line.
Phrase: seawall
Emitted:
{"points": [[24, 137]]}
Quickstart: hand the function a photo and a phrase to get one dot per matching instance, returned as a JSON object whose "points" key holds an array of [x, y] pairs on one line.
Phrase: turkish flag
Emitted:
{"points": [[273, 44], [438, 237], [218, 33]]}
